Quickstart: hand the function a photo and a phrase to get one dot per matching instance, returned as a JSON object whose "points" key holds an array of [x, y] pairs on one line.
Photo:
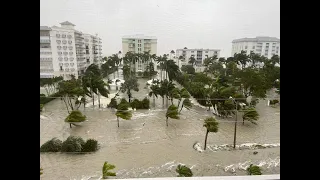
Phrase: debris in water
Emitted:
{"points": [[197, 147], [256, 152]]}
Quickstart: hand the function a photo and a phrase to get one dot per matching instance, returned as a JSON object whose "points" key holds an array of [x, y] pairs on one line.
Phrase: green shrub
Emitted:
{"points": [[72, 144], [41, 107], [275, 101], [184, 171], [254, 170], [53, 145], [90, 146], [145, 103], [75, 116], [135, 104], [140, 73]]}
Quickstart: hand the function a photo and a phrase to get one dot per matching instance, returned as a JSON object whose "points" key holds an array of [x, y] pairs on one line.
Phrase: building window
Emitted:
{"points": [[64, 47], [64, 42], [61, 68], [66, 64], [59, 47], [63, 35], [58, 41], [66, 69], [65, 53], [206, 52], [71, 59], [57, 35], [72, 69], [69, 36], [60, 58], [69, 42], [246, 47], [65, 58], [277, 47], [192, 51], [70, 47], [277, 51], [60, 53], [71, 64], [88, 60], [70, 53], [253, 47], [216, 52]]}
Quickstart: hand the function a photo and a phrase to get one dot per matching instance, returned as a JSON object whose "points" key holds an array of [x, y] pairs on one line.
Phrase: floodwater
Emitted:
{"points": [[145, 147]]}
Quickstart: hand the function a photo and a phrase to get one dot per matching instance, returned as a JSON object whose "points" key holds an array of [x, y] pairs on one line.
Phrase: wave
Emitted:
{"points": [[228, 147]]}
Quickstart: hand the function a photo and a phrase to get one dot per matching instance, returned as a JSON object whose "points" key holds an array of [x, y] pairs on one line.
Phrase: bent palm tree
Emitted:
{"points": [[184, 171], [172, 112], [105, 170], [250, 115], [212, 126], [123, 111]]}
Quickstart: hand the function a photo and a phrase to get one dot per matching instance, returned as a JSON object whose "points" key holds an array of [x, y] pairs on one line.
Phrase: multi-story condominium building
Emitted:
{"points": [[198, 54], [263, 45], [139, 44], [65, 51]]}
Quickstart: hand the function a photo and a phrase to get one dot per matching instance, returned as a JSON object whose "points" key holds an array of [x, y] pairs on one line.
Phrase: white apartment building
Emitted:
{"points": [[199, 54], [138, 44], [65, 51], [263, 45]]}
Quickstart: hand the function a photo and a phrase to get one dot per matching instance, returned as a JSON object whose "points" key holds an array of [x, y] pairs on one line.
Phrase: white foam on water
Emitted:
{"points": [[266, 163], [229, 147]]}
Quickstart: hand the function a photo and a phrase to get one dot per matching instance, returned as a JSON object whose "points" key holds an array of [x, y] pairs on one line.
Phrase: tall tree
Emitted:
{"points": [[251, 115], [212, 126], [131, 83], [123, 111], [172, 112]]}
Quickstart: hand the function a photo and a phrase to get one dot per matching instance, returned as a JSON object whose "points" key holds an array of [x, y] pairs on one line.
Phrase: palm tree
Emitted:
{"points": [[254, 170], [241, 58], [172, 112], [172, 69], [212, 126], [154, 90], [131, 83], [105, 170], [192, 60], [184, 171], [123, 111], [250, 115], [41, 171], [162, 61]]}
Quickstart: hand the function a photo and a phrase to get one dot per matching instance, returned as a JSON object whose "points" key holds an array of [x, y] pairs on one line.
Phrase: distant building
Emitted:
{"points": [[262, 45], [65, 51], [139, 44], [199, 54]]}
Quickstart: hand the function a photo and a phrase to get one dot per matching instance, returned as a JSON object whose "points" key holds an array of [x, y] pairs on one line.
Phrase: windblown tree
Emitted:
{"points": [[123, 111], [74, 117], [131, 83], [172, 112], [172, 69], [184, 171], [189, 69], [72, 93], [155, 90], [212, 126], [106, 170], [251, 115]]}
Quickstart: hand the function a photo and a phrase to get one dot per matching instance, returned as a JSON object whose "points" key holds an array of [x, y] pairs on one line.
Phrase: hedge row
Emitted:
{"points": [[45, 99], [71, 144]]}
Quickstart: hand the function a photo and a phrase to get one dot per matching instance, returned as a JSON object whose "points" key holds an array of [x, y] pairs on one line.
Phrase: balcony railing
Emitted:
{"points": [[44, 41]]}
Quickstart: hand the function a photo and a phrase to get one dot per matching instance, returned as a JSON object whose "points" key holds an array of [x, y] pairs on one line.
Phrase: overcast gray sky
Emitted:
{"points": [[176, 23]]}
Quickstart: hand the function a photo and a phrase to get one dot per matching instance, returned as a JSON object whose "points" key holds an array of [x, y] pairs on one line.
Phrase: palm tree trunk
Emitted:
{"points": [[99, 99], [205, 140], [154, 101], [181, 108], [162, 101], [70, 125], [118, 120], [92, 94], [167, 121]]}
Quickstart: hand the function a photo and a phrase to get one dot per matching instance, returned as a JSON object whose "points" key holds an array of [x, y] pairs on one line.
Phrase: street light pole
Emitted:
{"points": [[235, 127]]}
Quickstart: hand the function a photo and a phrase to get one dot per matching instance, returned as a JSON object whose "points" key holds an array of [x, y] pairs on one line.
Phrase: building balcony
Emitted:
{"points": [[44, 41]]}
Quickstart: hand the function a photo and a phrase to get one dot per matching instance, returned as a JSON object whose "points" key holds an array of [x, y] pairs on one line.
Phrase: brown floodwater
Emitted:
{"points": [[145, 147]]}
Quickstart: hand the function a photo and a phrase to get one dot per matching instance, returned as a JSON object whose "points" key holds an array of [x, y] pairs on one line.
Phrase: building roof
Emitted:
{"points": [[258, 39], [67, 23], [198, 49], [138, 36], [46, 28]]}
